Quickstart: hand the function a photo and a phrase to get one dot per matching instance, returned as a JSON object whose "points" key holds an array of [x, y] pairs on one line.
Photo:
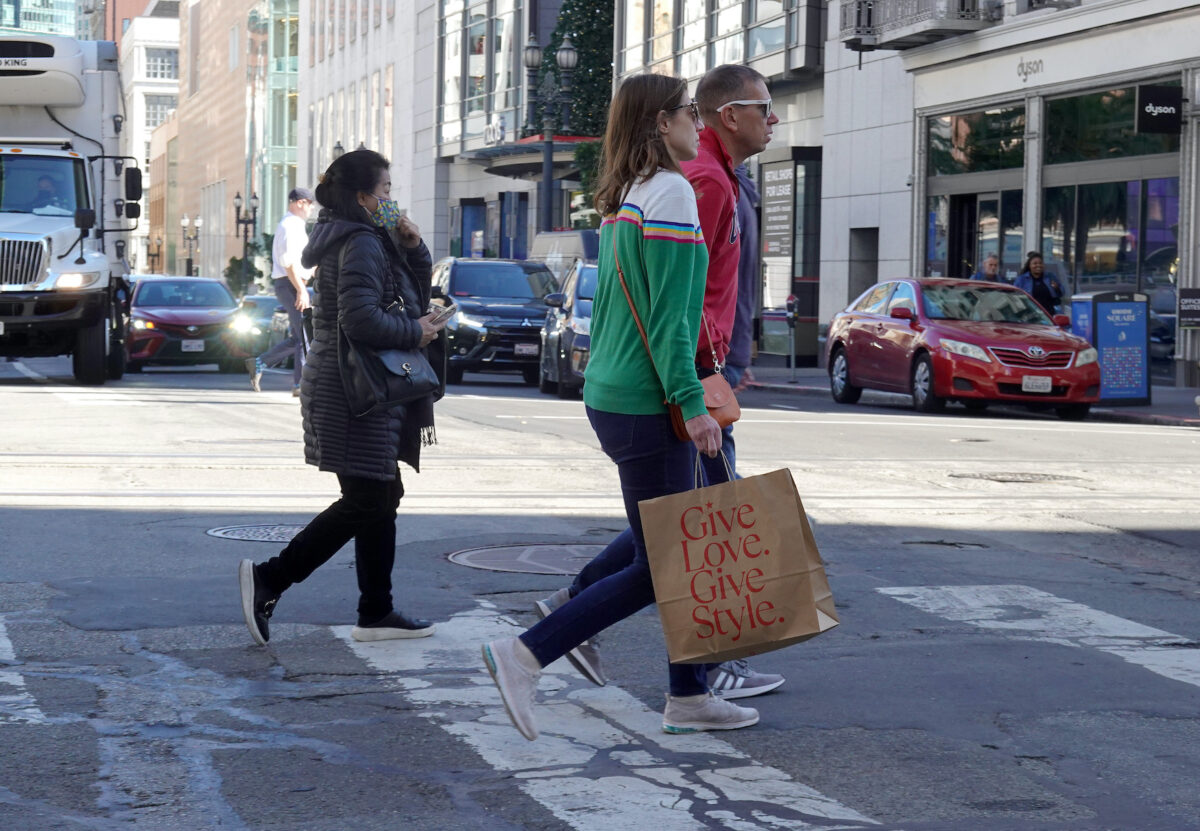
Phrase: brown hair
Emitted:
{"points": [[632, 145], [724, 83]]}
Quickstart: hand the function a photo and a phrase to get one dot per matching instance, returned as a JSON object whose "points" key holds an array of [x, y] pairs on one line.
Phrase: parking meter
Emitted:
{"points": [[791, 323]]}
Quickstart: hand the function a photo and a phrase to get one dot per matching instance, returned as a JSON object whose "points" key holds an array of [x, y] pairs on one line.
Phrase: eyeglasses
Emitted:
{"points": [[691, 106], [765, 103]]}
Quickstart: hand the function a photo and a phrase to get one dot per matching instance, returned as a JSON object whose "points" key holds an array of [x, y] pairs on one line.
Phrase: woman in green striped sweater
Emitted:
{"points": [[653, 258]]}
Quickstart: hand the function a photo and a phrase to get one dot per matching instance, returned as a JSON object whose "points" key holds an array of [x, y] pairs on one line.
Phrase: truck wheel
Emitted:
{"points": [[89, 362]]}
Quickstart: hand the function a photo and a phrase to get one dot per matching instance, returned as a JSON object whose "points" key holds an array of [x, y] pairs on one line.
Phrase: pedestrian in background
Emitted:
{"points": [[736, 110], [290, 280], [651, 241], [1043, 287], [376, 291], [990, 270]]}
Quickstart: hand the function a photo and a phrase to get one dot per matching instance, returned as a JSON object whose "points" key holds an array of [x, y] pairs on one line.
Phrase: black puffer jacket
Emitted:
{"points": [[375, 272]]}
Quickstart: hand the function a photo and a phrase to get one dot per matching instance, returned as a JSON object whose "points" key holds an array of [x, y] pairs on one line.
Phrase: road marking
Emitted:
{"points": [[545, 417], [602, 762], [17, 705], [1030, 614]]}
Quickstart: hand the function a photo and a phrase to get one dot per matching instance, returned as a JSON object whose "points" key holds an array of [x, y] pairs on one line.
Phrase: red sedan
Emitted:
{"points": [[182, 320], [959, 340]]}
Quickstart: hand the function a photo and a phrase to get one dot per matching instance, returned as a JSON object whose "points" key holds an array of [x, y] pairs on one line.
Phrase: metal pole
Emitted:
{"points": [[245, 255], [548, 171]]}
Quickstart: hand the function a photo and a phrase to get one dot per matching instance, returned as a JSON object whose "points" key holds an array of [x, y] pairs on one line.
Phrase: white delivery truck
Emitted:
{"points": [[67, 202]]}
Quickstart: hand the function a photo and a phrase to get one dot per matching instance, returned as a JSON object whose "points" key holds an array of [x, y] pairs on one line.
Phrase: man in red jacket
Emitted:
{"points": [[736, 108]]}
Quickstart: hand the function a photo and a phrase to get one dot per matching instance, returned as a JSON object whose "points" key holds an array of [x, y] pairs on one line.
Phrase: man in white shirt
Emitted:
{"points": [[291, 287]]}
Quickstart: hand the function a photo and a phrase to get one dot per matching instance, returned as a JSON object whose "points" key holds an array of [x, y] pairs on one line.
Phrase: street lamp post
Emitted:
{"points": [[249, 226], [566, 57], [191, 239]]}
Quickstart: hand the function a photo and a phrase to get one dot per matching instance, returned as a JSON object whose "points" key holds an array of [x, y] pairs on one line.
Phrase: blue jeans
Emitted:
{"points": [[651, 462]]}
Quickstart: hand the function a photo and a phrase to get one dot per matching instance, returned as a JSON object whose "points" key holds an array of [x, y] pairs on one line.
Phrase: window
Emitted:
{"points": [[662, 27], [1100, 125], [389, 81], [875, 300], [353, 20], [634, 35], [903, 298], [451, 124], [158, 107], [972, 142], [312, 32], [770, 30], [505, 73], [162, 63], [234, 53]]}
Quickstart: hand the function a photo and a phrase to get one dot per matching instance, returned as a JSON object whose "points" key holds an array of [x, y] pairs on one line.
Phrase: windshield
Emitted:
{"points": [[513, 280], [587, 282], [44, 185], [261, 304], [982, 303], [183, 293]]}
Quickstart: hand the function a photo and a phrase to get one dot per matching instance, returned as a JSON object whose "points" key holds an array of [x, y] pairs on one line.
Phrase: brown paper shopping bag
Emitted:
{"points": [[736, 570]]}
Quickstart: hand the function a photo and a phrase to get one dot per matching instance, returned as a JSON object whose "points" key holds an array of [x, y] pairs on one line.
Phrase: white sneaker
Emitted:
{"points": [[586, 656], [695, 713], [517, 684]]}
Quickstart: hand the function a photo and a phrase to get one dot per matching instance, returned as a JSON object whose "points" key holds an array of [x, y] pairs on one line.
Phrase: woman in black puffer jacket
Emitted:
{"points": [[377, 287]]}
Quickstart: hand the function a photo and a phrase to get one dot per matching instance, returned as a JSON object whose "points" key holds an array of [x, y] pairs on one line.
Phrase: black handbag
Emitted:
{"points": [[379, 379]]}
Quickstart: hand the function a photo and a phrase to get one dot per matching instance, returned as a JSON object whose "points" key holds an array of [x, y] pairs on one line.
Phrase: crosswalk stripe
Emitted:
{"points": [[17, 705], [602, 762], [1030, 614]]}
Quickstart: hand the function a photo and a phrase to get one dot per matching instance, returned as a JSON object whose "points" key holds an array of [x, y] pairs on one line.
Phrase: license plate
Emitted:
{"points": [[1035, 383], [525, 349], [192, 346]]}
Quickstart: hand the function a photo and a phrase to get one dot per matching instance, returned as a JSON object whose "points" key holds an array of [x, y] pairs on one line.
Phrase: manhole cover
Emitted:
{"points": [[534, 558], [257, 533], [1015, 477]]}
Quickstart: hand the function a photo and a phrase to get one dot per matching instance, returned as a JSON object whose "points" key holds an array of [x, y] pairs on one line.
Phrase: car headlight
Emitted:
{"points": [[242, 323], [581, 325], [967, 350], [461, 319], [76, 279], [1086, 356], [142, 323]]}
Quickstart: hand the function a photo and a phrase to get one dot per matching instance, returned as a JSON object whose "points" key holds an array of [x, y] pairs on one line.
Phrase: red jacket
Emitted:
{"points": [[712, 177]]}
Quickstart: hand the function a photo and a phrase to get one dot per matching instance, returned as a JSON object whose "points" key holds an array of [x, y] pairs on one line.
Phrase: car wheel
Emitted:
{"points": [[923, 397], [568, 392], [532, 375], [133, 366], [975, 405], [1073, 412], [454, 374], [839, 379], [545, 384]]}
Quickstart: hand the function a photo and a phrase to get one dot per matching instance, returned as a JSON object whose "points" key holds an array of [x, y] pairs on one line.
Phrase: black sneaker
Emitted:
{"points": [[257, 602], [392, 625]]}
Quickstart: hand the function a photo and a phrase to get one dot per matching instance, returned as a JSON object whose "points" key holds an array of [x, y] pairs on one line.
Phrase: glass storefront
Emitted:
{"points": [[1100, 125]]}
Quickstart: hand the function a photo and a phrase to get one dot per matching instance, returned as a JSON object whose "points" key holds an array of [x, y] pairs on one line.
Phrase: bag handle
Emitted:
{"points": [[698, 474]]}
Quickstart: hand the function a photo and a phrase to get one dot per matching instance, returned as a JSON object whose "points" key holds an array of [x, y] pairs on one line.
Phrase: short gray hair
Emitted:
{"points": [[723, 84]]}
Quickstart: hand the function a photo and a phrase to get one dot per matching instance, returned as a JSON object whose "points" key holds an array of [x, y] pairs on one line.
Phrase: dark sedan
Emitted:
{"points": [[959, 340], [180, 321], [566, 335], [250, 328], [501, 307]]}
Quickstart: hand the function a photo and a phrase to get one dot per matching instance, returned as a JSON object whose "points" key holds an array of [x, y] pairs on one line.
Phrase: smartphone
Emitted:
{"points": [[441, 313]]}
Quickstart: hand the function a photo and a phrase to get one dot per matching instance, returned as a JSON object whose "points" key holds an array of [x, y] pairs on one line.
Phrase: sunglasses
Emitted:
{"points": [[692, 107], [765, 103]]}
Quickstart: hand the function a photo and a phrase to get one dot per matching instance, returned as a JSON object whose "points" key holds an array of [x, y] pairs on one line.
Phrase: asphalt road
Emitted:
{"points": [[1019, 644]]}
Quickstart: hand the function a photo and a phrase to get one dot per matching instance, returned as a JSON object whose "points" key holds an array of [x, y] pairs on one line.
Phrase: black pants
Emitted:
{"points": [[366, 513]]}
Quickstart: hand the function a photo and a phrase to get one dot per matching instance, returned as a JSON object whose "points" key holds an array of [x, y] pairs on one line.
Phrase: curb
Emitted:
{"points": [[1097, 413]]}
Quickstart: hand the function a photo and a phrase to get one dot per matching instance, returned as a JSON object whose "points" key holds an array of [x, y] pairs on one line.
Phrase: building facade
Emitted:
{"points": [[1017, 126], [150, 82], [46, 17]]}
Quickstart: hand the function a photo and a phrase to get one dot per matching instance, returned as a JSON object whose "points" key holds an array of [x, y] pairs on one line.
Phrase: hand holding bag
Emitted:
{"points": [[375, 380], [719, 399]]}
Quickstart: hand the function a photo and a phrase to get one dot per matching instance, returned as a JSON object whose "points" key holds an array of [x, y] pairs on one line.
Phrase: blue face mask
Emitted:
{"points": [[387, 214]]}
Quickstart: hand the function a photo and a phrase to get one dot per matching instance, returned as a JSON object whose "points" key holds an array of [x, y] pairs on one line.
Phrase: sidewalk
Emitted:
{"points": [[1169, 405]]}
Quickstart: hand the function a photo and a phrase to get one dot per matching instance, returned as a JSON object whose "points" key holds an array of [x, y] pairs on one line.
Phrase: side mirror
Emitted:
{"points": [[902, 313], [85, 219], [1062, 321], [133, 184], [555, 299]]}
